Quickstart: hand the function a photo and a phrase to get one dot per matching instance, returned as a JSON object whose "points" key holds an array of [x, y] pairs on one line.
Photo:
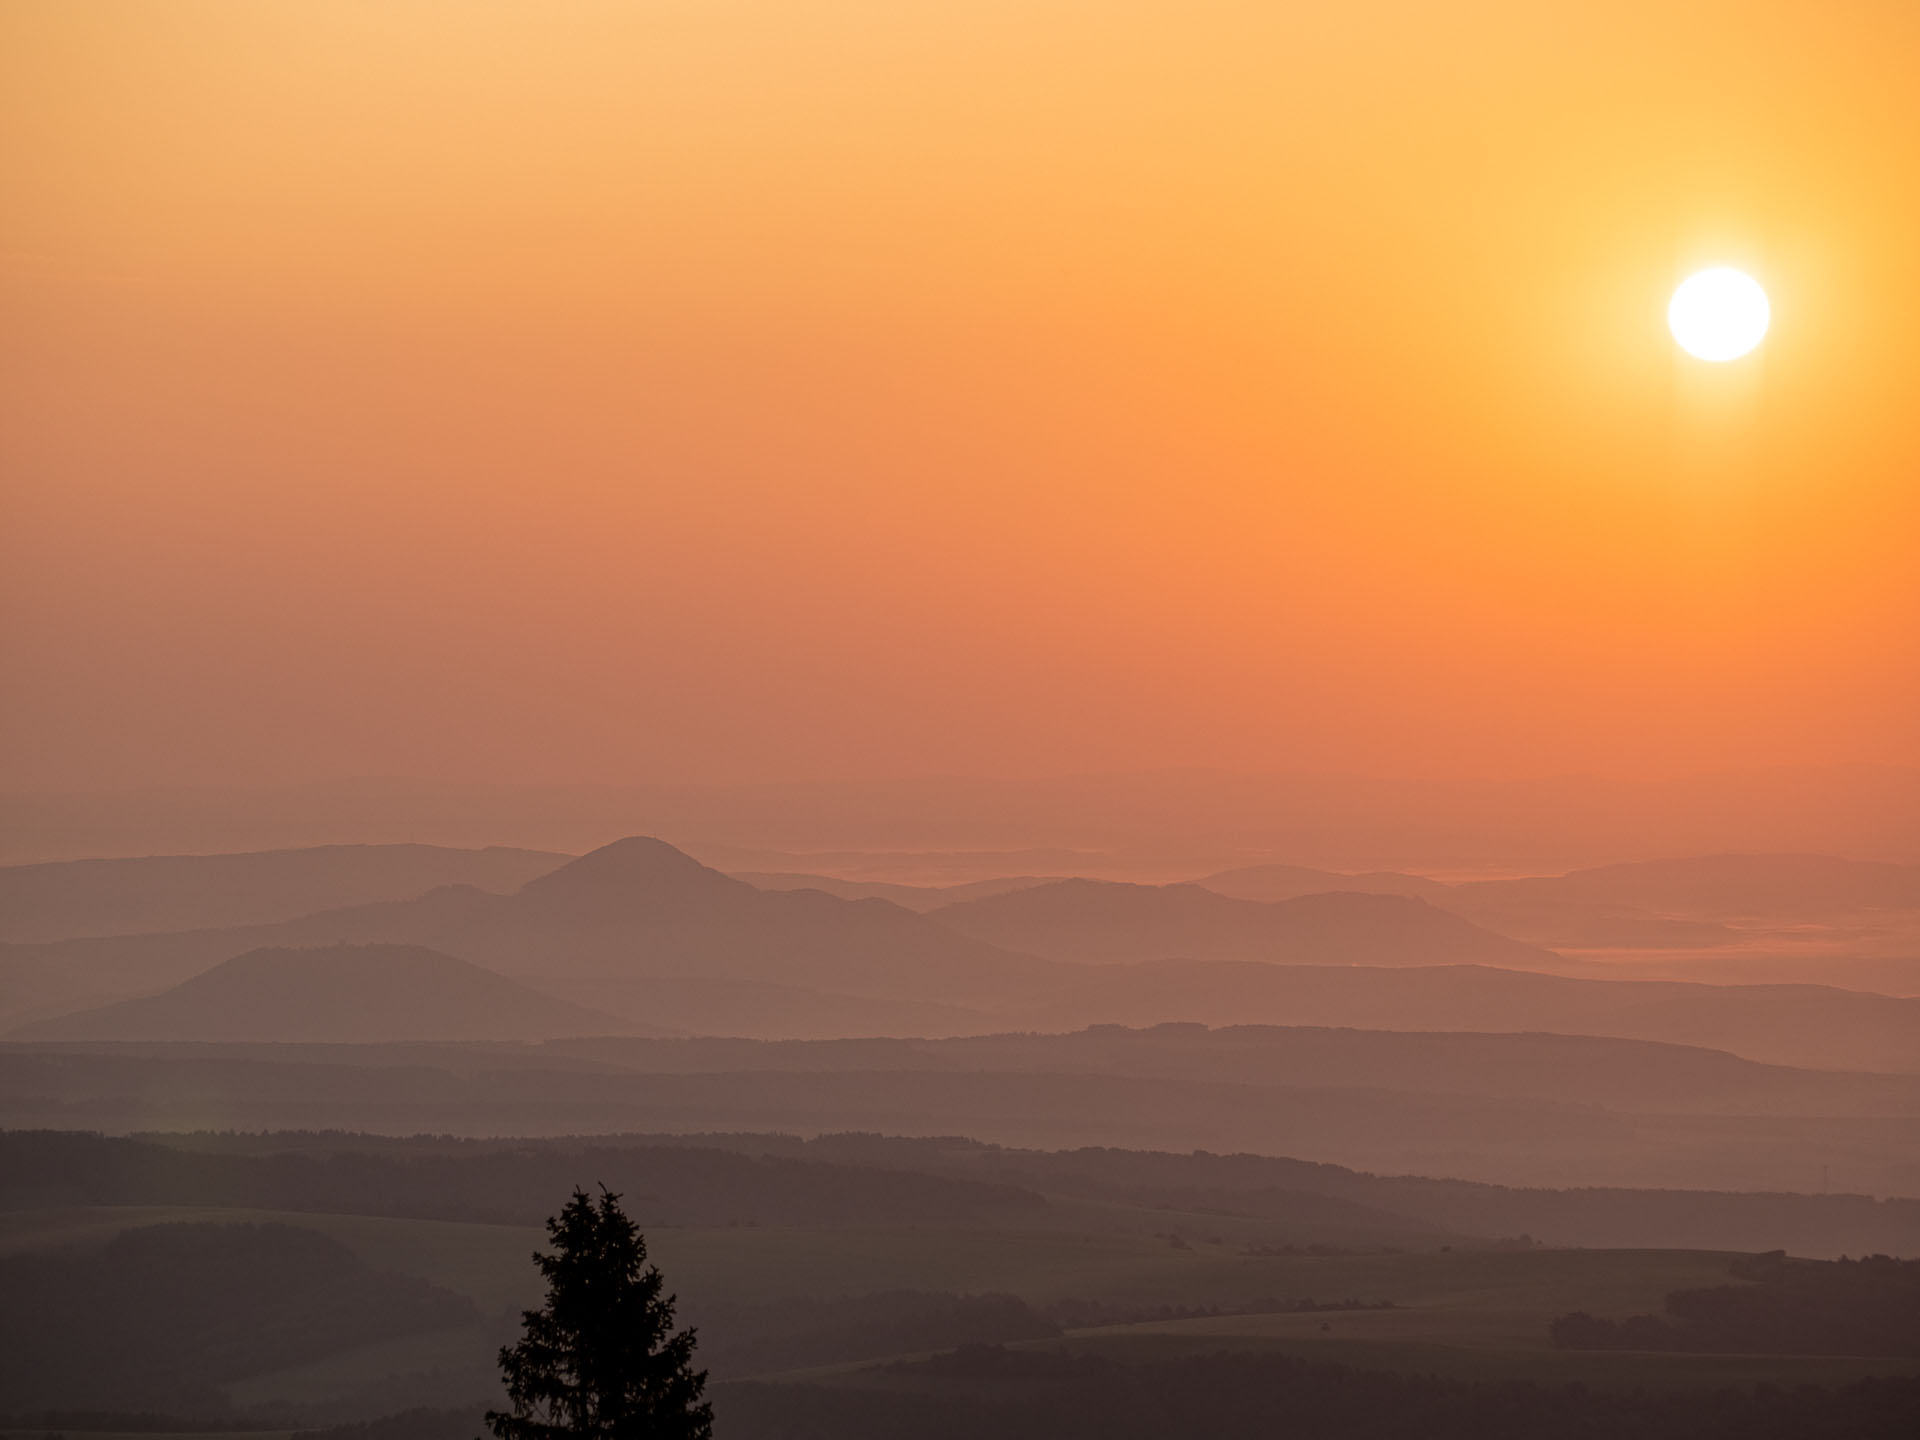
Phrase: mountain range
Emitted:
{"points": [[1104, 922], [648, 939], [603, 928], [608, 925]]}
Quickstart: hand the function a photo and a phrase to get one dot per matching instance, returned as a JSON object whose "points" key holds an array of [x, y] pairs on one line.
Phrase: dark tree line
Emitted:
{"points": [[860, 1179], [1869, 1306], [491, 1182]]}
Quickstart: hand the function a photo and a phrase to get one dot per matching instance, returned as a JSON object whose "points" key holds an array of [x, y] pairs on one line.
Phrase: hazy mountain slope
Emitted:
{"points": [[1556, 1136], [632, 910], [1625, 1075], [641, 908], [918, 898], [1806, 1025], [1720, 886], [1709, 902], [57, 978], [1286, 882], [1790, 1024], [1517, 909], [337, 994], [762, 1009], [1556, 922], [160, 893], [1101, 922], [641, 932]]}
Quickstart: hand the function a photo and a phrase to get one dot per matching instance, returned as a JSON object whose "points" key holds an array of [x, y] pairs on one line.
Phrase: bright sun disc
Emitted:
{"points": [[1719, 314]]}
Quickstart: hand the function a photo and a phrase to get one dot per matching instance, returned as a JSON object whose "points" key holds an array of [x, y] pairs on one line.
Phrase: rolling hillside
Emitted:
{"points": [[158, 893], [335, 994], [1102, 922]]}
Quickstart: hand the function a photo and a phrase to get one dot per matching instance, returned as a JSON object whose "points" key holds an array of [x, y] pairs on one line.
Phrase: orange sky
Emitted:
{"points": [[763, 388]]}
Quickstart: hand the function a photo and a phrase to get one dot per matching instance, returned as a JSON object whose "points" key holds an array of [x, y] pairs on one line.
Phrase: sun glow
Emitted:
{"points": [[1719, 314]]}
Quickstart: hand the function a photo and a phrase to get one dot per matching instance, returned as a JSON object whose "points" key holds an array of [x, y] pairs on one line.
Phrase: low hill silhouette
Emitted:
{"points": [[1697, 903], [1103, 922], [1680, 903], [918, 898], [1287, 882], [1638, 1076], [1818, 1026], [158, 893], [335, 994], [1719, 886]]}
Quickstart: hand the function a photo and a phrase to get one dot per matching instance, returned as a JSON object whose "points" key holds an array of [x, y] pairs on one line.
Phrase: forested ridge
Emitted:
{"points": [[854, 1178]]}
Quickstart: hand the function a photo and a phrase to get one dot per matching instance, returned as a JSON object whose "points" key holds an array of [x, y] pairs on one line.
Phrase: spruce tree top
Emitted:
{"points": [[601, 1357]]}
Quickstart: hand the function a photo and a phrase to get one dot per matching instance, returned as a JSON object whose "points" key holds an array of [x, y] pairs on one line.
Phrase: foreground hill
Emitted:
{"points": [[836, 1253], [1074, 1391], [166, 1314], [335, 994], [778, 1181], [158, 893], [1102, 922]]}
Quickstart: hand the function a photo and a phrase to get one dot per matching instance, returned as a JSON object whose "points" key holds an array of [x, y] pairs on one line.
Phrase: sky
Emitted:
{"points": [[762, 389]]}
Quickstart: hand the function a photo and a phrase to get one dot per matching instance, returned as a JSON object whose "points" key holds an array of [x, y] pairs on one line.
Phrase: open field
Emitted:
{"points": [[1461, 1312]]}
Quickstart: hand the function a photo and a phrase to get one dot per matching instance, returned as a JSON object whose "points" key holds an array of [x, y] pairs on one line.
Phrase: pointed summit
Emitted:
{"points": [[637, 875]]}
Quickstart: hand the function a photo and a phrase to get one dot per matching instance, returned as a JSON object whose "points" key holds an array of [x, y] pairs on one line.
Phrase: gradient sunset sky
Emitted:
{"points": [[746, 389]]}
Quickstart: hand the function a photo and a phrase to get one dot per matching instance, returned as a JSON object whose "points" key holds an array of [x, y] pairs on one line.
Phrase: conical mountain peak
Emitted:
{"points": [[637, 872]]}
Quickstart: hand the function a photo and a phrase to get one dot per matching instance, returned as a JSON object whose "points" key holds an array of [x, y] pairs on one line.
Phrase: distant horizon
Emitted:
{"points": [[1009, 777], [1148, 824]]}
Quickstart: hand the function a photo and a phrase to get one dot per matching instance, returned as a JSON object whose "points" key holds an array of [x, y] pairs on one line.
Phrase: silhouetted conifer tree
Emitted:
{"points": [[601, 1357]]}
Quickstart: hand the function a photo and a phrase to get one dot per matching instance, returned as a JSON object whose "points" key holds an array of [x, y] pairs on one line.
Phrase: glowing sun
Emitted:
{"points": [[1719, 314]]}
